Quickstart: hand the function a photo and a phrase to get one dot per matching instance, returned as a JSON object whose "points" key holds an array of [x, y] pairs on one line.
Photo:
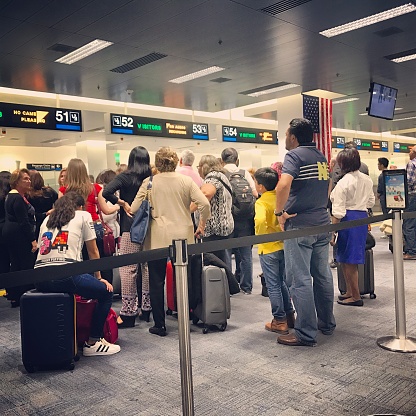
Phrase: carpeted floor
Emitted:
{"points": [[241, 371]]}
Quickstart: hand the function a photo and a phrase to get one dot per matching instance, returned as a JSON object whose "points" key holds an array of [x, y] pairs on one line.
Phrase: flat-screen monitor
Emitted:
{"points": [[382, 101], [395, 183]]}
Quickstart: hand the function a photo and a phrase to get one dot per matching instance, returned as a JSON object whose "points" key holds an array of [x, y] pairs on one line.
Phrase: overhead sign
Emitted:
{"points": [[337, 142], [247, 135], [43, 167], [35, 117], [402, 147], [139, 126], [372, 145]]}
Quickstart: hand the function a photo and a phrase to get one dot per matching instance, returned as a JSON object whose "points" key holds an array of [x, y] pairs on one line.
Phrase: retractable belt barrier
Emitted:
{"points": [[43, 274]]}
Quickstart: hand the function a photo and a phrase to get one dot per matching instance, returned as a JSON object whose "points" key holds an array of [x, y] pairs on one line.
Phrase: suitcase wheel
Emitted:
{"points": [[223, 327], [169, 312], [71, 365], [205, 330], [76, 358], [372, 296]]}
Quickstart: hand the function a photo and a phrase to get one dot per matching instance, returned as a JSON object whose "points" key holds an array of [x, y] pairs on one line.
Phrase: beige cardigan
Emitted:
{"points": [[171, 197]]}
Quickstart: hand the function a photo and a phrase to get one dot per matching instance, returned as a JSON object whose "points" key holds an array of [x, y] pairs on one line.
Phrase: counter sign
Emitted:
{"points": [[34, 117], [248, 135], [138, 126]]}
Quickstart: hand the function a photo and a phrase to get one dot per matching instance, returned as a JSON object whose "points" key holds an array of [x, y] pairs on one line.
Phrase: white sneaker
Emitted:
{"points": [[101, 347]]}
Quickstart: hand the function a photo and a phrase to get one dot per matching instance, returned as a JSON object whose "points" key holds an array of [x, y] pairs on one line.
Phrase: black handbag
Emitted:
{"points": [[370, 241], [140, 225]]}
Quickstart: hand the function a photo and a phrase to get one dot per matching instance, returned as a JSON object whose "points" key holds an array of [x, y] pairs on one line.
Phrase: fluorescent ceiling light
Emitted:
{"points": [[406, 118], [370, 20], [323, 94], [345, 100], [271, 90], [84, 51], [197, 74], [363, 114], [404, 58]]}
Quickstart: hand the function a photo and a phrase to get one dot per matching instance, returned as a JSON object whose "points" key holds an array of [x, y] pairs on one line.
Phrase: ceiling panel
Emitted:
{"points": [[256, 49]]}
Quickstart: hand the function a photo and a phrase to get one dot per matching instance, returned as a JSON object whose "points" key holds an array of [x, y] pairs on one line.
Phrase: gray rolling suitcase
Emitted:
{"points": [[215, 307], [365, 276]]}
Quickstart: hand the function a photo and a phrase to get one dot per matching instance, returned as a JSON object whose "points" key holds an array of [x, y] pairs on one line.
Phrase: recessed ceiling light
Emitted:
{"points": [[271, 90], [406, 118], [363, 114], [369, 20], [198, 74], [345, 100], [84, 51]]}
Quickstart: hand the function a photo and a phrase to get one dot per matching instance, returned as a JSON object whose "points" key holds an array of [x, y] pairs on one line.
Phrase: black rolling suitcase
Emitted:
{"points": [[365, 276], [47, 323]]}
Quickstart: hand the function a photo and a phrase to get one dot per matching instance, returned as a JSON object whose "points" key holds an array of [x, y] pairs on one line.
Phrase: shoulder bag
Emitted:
{"points": [[109, 243], [141, 219]]}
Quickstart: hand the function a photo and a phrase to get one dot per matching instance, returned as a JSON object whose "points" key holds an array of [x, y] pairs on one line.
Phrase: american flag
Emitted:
{"points": [[319, 112]]}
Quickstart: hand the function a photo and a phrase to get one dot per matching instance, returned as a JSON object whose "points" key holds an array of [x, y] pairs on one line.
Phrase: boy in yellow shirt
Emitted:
{"points": [[271, 254]]}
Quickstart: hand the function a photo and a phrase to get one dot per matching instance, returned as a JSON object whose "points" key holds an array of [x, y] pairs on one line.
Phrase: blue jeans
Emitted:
{"points": [[88, 287], [245, 256], [409, 228], [273, 267], [310, 282]]}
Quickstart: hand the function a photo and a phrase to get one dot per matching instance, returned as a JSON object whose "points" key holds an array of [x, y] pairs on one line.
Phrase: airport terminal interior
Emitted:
{"points": [[92, 79]]}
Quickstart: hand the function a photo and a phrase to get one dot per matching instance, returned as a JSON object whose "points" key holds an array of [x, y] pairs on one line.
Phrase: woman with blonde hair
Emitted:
{"points": [[217, 188], [61, 178], [77, 180], [171, 196]]}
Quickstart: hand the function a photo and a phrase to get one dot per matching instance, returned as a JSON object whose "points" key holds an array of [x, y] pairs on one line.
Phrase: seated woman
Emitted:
{"points": [[350, 199], [61, 238]]}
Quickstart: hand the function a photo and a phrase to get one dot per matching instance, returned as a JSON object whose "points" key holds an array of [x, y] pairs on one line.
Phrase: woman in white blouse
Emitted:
{"points": [[350, 199]]}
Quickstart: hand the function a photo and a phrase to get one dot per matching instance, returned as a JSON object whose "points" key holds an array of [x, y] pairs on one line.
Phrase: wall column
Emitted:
{"points": [[94, 154], [288, 108]]}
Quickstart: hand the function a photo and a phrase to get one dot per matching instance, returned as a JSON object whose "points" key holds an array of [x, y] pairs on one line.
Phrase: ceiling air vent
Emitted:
{"points": [[60, 47], [390, 31], [137, 63], [282, 6], [220, 80]]}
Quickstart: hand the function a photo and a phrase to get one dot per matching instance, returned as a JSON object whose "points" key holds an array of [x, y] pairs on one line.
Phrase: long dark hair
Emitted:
{"points": [[139, 164], [64, 210], [4, 183]]}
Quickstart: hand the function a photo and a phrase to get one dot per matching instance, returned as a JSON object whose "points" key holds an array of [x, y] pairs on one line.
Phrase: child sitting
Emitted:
{"points": [[271, 254]]}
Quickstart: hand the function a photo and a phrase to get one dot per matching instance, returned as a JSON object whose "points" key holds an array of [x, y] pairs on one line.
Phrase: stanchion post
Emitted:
{"points": [[179, 256], [399, 343]]}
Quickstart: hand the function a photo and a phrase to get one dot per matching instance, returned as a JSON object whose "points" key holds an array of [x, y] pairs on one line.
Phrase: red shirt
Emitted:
{"points": [[90, 203]]}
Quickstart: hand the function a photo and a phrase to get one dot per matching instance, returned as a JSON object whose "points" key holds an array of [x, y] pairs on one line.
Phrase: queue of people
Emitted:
{"points": [[188, 204]]}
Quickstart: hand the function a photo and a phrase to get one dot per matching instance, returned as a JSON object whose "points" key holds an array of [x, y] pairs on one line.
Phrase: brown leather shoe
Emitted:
{"points": [[293, 341], [277, 326], [291, 319], [409, 257]]}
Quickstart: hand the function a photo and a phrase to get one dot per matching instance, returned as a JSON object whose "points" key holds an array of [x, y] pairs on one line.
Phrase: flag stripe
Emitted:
{"points": [[319, 112]]}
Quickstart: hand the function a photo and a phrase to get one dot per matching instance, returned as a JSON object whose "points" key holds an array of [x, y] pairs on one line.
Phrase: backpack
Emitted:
{"points": [[243, 198]]}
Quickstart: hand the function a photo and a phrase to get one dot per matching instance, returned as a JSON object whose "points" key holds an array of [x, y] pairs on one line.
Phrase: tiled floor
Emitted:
{"points": [[241, 371]]}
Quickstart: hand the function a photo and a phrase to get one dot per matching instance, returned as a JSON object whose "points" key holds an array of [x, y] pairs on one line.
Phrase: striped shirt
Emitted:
{"points": [[309, 191]]}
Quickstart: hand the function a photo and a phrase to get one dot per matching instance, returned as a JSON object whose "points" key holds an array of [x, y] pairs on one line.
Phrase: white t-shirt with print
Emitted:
{"points": [[64, 246]]}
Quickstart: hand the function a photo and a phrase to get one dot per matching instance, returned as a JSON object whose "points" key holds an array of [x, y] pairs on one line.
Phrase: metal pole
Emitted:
{"points": [[180, 261], [399, 343]]}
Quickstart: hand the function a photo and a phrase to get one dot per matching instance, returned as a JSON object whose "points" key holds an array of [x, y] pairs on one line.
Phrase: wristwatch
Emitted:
{"points": [[280, 213]]}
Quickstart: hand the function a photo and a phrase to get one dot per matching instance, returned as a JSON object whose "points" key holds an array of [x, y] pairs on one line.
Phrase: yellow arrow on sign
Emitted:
{"points": [[40, 116]]}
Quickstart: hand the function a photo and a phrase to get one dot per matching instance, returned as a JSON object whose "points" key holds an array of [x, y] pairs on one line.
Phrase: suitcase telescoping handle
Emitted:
{"points": [[199, 241]]}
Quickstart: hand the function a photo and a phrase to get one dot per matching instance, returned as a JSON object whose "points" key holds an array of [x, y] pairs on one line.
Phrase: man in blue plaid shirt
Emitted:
{"points": [[409, 225]]}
